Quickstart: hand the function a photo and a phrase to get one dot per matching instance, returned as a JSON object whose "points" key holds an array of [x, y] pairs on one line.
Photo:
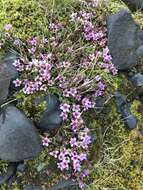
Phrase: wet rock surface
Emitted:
{"points": [[19, 139], [50, 119], [124, 109], [125, 40]]}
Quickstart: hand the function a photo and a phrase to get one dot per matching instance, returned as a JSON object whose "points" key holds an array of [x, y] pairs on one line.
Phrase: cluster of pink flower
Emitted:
{"points": [[47, 71], [98, 35], [41, 69], [72, 158]]}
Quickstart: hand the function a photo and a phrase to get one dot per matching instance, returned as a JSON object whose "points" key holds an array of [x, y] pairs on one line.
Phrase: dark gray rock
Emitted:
{"points": [[134, 4], [50, 119], [19, 139], [125, 40], [66, 185], [124, 109], [131, 122], [9, 60], [7, 74], [12, 72], [137, 80], [21, 167], [4, 82]]}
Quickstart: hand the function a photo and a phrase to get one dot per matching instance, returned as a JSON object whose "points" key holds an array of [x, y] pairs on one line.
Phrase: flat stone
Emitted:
{"points": [[19, 139], [137, 80], [134, 5], [50, 118], [124, 109], [125, 40], [4, 82]]}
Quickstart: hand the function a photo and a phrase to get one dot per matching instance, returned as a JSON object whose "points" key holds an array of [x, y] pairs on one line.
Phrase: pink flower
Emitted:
{"points": [[54, 153], [18, 65], [46, 141], [17, 82], [98, 78], [65, 108], [81, 185], [87, 104], [32, 41], [8, 27], [76, 165], [82, 157], [73, 142], [63, 165]]}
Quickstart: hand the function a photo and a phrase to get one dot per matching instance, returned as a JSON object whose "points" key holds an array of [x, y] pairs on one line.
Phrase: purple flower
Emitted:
{"points": [[32, 50], [63, 165], [81, 185], [82, 157], [8, 27], [98, 93], [101, 86], [73, 142], [76, 165], [17, 82], [54, 153], [18, 65], [17, 42], [65, 108], [32, 41], [87, 104], [46, 141], [98, 78], [64, 64], [76, 108]]}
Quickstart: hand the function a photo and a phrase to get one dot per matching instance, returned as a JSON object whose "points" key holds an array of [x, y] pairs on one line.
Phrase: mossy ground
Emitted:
{"points": [[118, 153]]}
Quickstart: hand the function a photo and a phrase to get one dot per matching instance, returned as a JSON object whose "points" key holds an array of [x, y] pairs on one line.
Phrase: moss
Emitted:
{"points": [[117, 154], [27, 17], [121, 156], [138, 18], [116, 5]]}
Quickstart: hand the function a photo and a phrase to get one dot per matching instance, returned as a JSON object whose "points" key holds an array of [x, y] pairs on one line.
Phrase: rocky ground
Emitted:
{"points": [[116, 156]]}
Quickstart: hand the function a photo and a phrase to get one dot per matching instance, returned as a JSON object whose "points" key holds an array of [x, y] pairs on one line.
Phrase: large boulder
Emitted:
{"points": [[50, 119], [19, 139], [134, 4], [4, 82], [125, 40]]}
